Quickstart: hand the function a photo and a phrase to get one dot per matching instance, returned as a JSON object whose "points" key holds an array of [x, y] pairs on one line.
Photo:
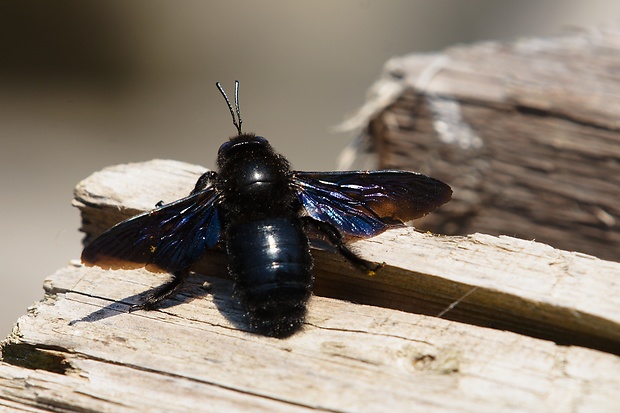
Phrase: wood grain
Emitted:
{"points": [[526, 133], [80, 350], [425, 273], [194, 355]]}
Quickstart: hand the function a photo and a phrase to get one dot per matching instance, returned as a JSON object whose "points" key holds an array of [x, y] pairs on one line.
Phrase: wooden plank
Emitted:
{"points": [[80, 350], [526, 133], [194, 355], [512, 284]]}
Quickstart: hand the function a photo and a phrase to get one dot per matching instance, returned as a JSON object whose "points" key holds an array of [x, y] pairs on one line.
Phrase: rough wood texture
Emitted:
{"points": [[191, 356], [526, 133], [79, 349]]}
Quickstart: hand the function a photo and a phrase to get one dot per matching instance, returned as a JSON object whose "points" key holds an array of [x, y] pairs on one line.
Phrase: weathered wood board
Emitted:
{"points": [[526, 133], [192, 356], [79, 349]]}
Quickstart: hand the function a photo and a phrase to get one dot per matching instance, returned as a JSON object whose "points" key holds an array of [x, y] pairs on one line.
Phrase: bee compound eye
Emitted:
{"points": [[225, 147]]}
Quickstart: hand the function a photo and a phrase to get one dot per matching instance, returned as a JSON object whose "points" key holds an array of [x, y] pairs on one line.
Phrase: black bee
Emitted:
{"points": [[262, 211]]}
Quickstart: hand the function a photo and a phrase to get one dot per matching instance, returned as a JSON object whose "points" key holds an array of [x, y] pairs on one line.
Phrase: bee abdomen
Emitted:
{"points": [[270, 261]]}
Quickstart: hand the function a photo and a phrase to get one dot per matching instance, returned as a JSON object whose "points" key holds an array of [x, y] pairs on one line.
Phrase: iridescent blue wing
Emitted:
{"points": [[366, 203], [168, 238]]}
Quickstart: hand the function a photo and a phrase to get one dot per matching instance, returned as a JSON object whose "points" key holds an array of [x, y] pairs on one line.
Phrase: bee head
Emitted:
{"points": [[241, 143]]}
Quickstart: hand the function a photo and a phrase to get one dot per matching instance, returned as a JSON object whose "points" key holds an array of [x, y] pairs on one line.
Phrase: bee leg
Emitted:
{"points": [[161, 293], [336, 238], [206, 179]]}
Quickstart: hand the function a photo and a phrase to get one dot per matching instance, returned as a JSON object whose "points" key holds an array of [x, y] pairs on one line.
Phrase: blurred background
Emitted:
{"points": [[84, 85]]}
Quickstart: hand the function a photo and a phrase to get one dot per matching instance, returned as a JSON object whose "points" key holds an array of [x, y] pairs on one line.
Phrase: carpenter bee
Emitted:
{"points": [[262, 212]]}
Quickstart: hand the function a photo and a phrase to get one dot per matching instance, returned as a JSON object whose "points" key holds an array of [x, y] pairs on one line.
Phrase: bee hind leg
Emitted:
{"points": [[337, 240], [161, 293]]}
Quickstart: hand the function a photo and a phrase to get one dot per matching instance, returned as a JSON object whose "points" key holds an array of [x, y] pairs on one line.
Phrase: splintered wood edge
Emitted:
{"points": [[503, 282]]}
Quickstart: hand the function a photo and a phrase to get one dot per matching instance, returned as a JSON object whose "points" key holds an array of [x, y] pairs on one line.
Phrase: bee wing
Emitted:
{"points": [[366, 203], [168, 238]]}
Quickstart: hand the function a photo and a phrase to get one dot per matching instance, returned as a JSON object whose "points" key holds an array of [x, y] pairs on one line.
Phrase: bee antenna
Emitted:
{"points": [[236, 121]]}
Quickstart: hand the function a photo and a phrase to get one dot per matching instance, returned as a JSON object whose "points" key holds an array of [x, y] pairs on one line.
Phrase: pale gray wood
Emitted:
{"points": [[512, 284], [80, 350], [192, 356]]}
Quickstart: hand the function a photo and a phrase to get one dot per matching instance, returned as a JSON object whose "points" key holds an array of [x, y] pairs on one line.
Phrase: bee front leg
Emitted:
{"points": [[206, 179]]}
